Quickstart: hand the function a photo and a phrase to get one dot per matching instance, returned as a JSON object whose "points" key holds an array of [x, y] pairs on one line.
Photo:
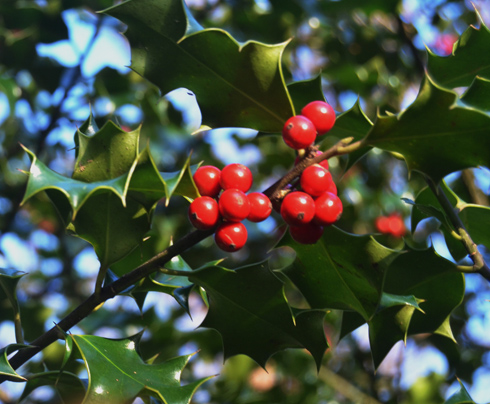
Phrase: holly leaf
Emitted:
{"points": [[429, 277], [6, 370], [341, 271], [471, 57], [260, 326], [67, 385], [171, 50], [434, 136], [305, 91], [478, 95], [9, 278], [117, 374], [460, 397]]}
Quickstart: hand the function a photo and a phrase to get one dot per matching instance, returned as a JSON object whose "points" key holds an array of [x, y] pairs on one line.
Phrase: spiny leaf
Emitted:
{"points": [[305, 91], [460, 397], [434, 136], [478, 95], [67, 385], [170, 50], [341, 271], [117, 374], [430, 277], [471, 57], [5, 369], [259, 326], [9, 278]]}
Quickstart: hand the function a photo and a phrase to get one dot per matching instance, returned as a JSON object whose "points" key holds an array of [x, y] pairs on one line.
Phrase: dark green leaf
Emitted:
{"points": [[460, 397], [169, 50], [341, 271], [5, 369], [435, 137], [9, 278], [248, 308], [305, 91], [117, 374], [478, 95], [68, 385], [471, 58]]}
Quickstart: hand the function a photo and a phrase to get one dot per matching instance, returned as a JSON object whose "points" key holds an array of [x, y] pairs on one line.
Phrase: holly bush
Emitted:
{"points": [[411, 151]]}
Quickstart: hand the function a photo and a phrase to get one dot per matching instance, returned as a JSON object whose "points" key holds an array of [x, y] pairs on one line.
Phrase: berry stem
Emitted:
{"points": [[479, 264]]}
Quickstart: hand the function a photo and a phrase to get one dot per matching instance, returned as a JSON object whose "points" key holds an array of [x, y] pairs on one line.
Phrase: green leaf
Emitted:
{"points": [[341, 271], [352, 123], [434, 136], [460, 397], [478, 95], [429, 277], [68, 385], [248, 308], [171, 51], [304, 91], [117, 374], [471, 58], [9, 278], [6, 370]]}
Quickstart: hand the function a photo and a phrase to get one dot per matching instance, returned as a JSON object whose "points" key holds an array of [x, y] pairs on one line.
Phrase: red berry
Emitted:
{"points": [[308, 233], [315, 180], [230, 236], [234, 205], [321, 114], [328, 209], [298, 132], [297, 208], [207, 180], [323, 163], [396, 226], [382, 224], [260, 207], [204, 213], [236, 176]]}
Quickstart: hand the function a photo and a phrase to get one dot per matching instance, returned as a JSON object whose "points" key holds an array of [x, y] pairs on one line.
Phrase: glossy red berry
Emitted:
{"points": [[321, 115], [260, 207], [298, 132], [236, 176], [230, 236], [328, 209], [308, 233], [323, 163], [234, 205], [207, 180], [204, 213], [315, 180], [297, 208]]}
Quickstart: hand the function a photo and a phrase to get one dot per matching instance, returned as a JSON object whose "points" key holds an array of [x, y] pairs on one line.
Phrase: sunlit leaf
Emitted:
{"points": [[6, 370], [435, 137], [117, 373], [460, 397]]}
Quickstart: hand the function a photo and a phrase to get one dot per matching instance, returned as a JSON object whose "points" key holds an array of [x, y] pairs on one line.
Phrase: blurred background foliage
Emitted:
{"points": [[60, 60]]}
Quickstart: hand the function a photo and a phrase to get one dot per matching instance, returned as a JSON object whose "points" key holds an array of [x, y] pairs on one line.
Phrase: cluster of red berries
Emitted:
{"points": [[316, 205], [392, 224], [223, 203]]}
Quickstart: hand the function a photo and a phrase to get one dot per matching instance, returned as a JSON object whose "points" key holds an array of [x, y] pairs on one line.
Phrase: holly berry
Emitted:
{"points": [[236, 176], [230, 236], [299, 132], [382, 224], [308, 233], [297, 208], [234, 205], [207, 180], [328, 209], [323, 163], [321, 115], [315, 180], [260, 207], [204, 213], [392, 224]]}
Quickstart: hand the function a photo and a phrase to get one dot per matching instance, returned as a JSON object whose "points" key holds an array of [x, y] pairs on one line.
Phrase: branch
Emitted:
{"points": [[155, 263], [479, 264]]}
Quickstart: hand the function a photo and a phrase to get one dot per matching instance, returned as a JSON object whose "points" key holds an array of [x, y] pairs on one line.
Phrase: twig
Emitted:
{"points": [[479, 264]]}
